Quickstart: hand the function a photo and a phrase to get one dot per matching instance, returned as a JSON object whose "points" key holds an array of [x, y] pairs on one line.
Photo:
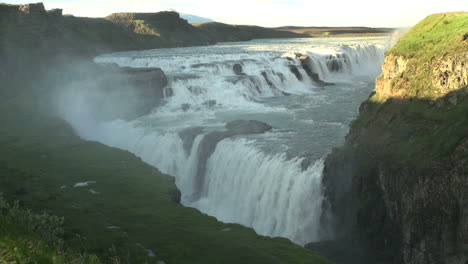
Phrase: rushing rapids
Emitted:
{"points": [[268, 178]]}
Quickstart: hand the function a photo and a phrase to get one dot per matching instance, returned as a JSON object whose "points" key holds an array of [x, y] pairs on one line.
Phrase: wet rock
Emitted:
{"points": [[237, 68], [185, 107], [306, 65], [248, 126], [267, 80], [210, 103], [281, 75], [334, 64], [202, 65], [188, 136], [183, 77], [168, 92], [175, 194], [296, 72], [195, 90]]}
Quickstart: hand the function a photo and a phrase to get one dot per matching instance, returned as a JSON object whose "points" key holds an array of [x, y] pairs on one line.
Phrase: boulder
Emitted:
{"points": [[247, 127], [237, 68]]}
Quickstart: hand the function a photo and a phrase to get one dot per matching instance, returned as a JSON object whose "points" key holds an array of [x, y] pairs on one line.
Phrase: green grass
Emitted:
{"points": [[25, 238], [40, 153], [435, 36], [418, 131]]}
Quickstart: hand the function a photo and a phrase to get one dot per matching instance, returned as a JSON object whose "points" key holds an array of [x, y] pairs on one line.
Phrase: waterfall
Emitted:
{"points": [[208, 80], [243, 182], [270, 193], [281, 200]]}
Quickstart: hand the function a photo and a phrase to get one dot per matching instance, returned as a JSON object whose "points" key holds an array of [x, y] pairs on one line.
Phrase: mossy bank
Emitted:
{"points": [[400, 182]]}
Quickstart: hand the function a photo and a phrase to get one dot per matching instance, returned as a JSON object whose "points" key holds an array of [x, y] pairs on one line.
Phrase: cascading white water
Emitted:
{"points": [[205, 79], [244, 182], [280, 200], [243, 185]]}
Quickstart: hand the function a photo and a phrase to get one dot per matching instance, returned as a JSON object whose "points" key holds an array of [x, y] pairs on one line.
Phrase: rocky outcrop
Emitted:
{"points": [[237, 68], [56, 12], [36, 9], [450, 73], [166, 27], [108, 92], [398, 188], [294, 70], [307, 66]]}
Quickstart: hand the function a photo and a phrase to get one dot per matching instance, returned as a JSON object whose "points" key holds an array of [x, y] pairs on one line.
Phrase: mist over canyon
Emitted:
{"points": [[160, 141]]}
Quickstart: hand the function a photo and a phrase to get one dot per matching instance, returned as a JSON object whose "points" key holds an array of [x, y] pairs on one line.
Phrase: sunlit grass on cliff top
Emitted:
{"points": [[437, 35]]}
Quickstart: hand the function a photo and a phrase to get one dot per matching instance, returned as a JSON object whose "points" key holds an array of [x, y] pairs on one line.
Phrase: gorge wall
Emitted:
{"points": [[400, 182]]}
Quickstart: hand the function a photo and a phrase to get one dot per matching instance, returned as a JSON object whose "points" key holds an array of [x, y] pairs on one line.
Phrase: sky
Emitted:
{"points": [[274, 13]]}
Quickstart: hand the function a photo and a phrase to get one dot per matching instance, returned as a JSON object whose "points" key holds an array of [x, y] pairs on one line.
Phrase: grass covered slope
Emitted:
{"points": [[26, 237], [437, 35], [400, 182]]}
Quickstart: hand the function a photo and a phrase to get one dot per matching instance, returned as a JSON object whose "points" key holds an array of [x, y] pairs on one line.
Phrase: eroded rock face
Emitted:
{"points": [[296, 72], [37, 8], [108, 92], [392, 69], [306, 65], [237, 68], [404, 214], [450, 73]]}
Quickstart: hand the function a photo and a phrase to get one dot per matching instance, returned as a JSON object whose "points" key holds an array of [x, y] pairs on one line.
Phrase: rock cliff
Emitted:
{"points": [[166, 27], [399, 185]]}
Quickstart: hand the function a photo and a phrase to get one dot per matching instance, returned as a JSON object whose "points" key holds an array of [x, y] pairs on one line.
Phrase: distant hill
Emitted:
{"points": [[221, 32], [338, 31], [193, 18]]}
